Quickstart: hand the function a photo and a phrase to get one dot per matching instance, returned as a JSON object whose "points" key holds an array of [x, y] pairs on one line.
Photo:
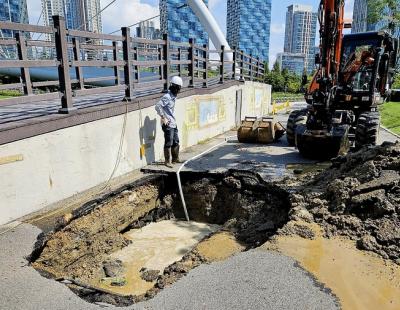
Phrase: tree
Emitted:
{"points": [[384, 10]]}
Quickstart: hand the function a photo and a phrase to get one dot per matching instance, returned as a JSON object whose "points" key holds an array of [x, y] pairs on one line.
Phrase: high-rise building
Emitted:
{"points": [[248, 26], [360, 19], [12, 11], [300, 33], [15, 11], [79, 14], [180, 23], [292, 62], [147, 29]]}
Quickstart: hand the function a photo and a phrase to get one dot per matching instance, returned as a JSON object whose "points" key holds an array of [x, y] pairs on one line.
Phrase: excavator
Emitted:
{"points": [[354, 76]]}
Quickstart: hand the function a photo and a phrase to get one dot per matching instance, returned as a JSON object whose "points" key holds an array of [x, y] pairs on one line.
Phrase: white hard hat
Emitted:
{"points": [[177, 81]]}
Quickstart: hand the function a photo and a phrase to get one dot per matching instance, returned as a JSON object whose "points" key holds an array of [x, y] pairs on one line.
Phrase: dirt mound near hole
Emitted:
{"points": [[359, 197]]}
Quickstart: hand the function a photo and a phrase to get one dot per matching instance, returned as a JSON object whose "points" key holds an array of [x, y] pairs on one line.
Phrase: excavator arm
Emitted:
{"points": [[331, 20]]}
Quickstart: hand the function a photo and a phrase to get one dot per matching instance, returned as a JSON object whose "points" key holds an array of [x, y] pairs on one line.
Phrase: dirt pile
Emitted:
{"points": [[359, 197]]}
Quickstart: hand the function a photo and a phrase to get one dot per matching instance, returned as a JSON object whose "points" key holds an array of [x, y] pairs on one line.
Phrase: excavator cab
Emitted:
{"points": [[367, 68], [343, 113]]}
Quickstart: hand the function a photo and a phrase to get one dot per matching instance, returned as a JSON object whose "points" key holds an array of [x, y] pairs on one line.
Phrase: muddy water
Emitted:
{"points": [[220, 247], [359, 279], [155, 247]]}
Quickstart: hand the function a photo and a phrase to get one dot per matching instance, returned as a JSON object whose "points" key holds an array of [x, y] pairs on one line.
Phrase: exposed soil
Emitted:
{"points": [[359, 197], [78, 252]]}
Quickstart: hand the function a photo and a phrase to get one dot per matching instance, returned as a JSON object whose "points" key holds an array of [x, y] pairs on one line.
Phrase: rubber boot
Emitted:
{"points": [[175, 155], [167, 157]]}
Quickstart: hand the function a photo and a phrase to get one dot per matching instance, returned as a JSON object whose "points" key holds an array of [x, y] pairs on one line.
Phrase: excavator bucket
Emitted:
{"points": [[262, 130], [321, 144]]}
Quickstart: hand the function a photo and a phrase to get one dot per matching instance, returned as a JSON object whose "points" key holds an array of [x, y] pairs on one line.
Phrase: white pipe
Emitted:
{"points": [[178, 173], [210, 25]]}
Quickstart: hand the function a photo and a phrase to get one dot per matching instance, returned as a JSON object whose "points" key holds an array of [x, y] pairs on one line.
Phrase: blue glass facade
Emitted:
{"points": [[13, 11], [249, 26], [300, 33], [180, 23], [294, 63], [360, 19]]}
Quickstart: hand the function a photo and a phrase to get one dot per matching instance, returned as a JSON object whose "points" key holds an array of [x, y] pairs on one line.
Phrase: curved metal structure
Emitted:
{"points": [[210, 25]]}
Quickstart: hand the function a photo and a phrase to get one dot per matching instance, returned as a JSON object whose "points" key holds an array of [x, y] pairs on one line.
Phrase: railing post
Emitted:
{"points": [[166, 58], [258, 69], [242, 66], [205, 66], [64, 77], [192, 59], [222, 65], [23, 55], [136, 68], [126, 51], [78, 70], [180, 67], [115, 58], [234, 62], [251, 67]]}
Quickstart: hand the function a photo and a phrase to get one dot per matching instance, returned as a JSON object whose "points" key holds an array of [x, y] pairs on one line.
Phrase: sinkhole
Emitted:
{"points": [[128, 245]]}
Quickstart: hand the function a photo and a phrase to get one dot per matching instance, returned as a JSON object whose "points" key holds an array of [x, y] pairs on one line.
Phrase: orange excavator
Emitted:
{"points": [[355, 74]]}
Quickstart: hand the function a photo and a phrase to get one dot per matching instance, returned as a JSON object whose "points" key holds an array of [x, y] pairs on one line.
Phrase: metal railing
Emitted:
{"points": [[134, 65]]}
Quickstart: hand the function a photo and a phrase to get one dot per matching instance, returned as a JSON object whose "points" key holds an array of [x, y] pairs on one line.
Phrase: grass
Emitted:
{"points": [[390, 113], [286, 96], [4, 94]]}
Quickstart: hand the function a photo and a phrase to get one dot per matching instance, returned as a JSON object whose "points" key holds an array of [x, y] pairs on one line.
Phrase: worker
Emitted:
{"points": [[166, 110]]}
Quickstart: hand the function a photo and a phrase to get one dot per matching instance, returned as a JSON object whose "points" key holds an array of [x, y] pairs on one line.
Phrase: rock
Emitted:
{"points": [[298, 171], [118, 282], [149, 275], [113, 268], [373, 204], [387, 179], [294, 228], [388, 232], [368, 242], [233, 183], [300, 214]]}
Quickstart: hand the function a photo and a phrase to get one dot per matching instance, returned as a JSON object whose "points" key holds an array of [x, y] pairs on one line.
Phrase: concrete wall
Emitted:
{"points": [[42, 170]]}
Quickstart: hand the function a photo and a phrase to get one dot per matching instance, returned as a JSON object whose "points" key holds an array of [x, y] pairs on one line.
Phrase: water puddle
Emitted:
{"points": [[359, 279], [153, 248]]}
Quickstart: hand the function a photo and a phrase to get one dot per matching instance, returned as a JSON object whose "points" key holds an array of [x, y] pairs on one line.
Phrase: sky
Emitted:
{"points": [[127, 12]]}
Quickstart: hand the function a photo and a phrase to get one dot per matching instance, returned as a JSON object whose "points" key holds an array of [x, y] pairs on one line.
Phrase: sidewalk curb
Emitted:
{"points": [[391, 132]]}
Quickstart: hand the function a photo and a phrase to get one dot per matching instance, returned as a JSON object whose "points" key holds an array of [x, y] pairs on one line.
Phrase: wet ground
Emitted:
{"points": [[268, 254]]}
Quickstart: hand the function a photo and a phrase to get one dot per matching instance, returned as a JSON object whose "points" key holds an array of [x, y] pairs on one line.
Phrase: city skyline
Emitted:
{"points": [[127, 12]]}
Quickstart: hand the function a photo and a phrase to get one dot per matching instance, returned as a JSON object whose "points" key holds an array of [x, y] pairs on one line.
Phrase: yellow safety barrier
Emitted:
{"points": [[276, 107]]}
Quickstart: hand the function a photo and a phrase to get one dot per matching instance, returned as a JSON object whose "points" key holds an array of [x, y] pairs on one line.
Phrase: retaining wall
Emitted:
{"points": [[48, 168]]}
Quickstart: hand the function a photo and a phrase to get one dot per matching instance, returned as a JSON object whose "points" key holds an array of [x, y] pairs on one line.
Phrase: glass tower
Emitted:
{"points": [[180, 23], [13, 11], [292, 62], [300, 33], [249, 25], [360, 19]]}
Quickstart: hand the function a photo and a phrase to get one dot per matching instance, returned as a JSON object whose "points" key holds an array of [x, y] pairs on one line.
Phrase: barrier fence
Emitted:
{"points": [[134, 65]]}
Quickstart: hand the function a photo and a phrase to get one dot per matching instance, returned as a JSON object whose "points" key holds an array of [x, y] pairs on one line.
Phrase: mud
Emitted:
{"points": [[87, 252], [360, 280], [359, 197], [79, 249]]}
